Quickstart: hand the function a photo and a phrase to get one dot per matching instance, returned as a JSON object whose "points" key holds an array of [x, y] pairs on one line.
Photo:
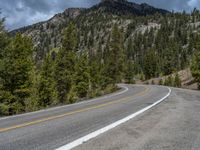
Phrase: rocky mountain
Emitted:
{"points": [[123, 7], [94, 25], [47, 35]]}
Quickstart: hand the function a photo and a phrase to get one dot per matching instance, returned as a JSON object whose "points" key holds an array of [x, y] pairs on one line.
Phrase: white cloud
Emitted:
{"points": [[194, 3]]}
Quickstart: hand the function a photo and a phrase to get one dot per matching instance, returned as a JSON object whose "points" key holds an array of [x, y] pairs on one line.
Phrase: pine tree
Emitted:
{"points": [[150, 65], [3, 38], [65, 63], [16, 66], [115, 66], [82, 76], [195, 68], [177, 81], [129, 73], [46, 92], [4, 107], [168, 67], [130, 50], [98, 80], [32, 104], [69, 41]]}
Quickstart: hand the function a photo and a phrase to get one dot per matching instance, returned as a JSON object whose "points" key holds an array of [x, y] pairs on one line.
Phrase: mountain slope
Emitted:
{"points": [[123, 7], [47, 35], [158, 42]]}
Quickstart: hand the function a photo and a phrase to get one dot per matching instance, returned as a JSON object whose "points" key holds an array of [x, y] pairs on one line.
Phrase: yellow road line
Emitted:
{"points": [[71, 113]]}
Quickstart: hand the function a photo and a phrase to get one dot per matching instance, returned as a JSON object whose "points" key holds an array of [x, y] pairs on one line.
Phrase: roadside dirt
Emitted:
{"points": [[186, 79]]}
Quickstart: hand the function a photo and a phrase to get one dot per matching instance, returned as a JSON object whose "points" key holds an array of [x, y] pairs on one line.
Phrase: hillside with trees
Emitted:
{"points": [[167, 38], [63, 79]]}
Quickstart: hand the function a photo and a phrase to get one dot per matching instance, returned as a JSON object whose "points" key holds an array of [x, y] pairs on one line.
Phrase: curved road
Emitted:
{"points": [[53, 128]]}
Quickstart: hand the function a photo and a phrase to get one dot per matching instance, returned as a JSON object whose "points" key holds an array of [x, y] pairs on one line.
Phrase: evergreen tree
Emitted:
{"points": [[16, 66], [129, 73], [98, 80], [46, 92], [4, 108], [32, 104], [150, 65], [195, 68], [115, 66], [130, 50], [168, 61], [69, 41], [82, 76], [3, 38], [177, 81], [65, 63]]}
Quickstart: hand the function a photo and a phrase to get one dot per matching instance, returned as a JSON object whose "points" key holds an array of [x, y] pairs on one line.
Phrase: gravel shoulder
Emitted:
{"points": [[172, 125]]}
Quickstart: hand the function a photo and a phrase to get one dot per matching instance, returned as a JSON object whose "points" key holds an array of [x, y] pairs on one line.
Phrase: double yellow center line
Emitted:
{"points": [[72, 113]]}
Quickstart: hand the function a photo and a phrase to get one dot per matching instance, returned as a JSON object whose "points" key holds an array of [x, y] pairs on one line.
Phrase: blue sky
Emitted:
{"points": [[20, 13]]}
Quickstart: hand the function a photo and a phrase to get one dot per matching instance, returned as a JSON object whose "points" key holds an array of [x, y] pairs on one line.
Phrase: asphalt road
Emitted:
{"points": [[174, 124], [53, 128]]}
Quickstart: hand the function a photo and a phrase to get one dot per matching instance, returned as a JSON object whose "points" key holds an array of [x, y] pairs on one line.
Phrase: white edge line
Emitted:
{"points": [[109, 127], [83, 102]]}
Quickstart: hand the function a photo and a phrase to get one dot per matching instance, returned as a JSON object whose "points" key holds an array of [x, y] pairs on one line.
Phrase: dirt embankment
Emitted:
{"points": [[186, 79]]}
